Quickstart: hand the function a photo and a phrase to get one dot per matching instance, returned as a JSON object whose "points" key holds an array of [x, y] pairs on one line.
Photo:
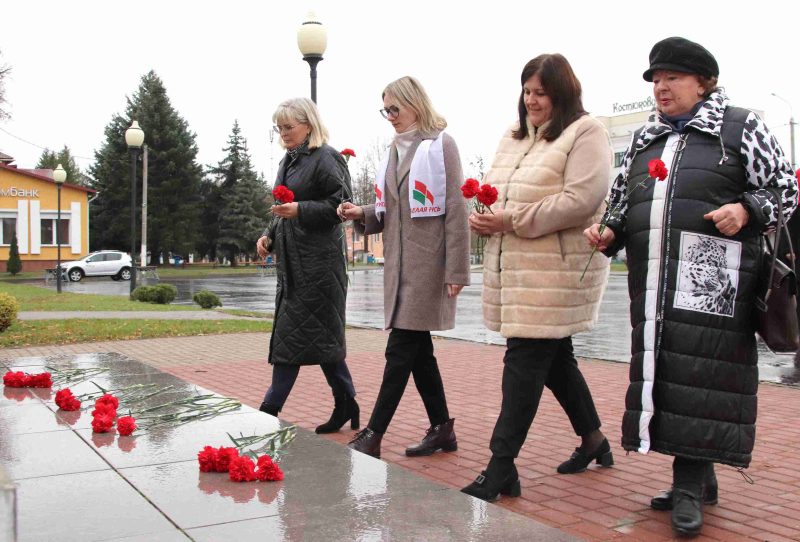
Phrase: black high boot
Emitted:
{"points": [[687, 492], [499, 478], [345, 408], [270, 409]]}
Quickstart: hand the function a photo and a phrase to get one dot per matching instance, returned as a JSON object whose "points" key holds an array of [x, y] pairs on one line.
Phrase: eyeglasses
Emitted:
{"points": [[391, 111], [285, 128]]}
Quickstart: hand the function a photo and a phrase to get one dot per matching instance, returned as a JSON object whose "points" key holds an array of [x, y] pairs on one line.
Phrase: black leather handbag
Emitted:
{"points": [[776, 300]]}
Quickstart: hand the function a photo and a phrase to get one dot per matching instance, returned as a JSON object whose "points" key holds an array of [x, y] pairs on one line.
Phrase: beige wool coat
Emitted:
{"points": [[550, 192], [421, 255]]}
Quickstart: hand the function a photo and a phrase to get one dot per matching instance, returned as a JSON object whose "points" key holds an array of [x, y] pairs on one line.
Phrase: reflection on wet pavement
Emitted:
{"points": [[609, 340]]}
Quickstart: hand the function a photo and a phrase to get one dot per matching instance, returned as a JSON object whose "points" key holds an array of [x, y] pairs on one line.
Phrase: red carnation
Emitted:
{"points": [[242, 469], [104, 409], [15, 379], [41, 380], [126, 425], [62, 395], [102, 423], [488, 195], [283, 195], [657, 170], [71, 404], [470, 188], [348, 153], [109, 400], [207, 458], [268, 470], [224, 458]]}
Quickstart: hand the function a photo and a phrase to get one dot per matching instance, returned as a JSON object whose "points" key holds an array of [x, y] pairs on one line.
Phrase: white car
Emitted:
{"points": [[104, 263]]}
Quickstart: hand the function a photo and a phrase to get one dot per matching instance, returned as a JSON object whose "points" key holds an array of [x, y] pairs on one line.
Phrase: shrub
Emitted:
{"points": [[14, 263], [206, 299], [8, 310], [164, 294]]}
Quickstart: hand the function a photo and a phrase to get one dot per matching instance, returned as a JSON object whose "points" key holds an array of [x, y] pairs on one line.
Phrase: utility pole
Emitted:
{"points": [[143, 252]]}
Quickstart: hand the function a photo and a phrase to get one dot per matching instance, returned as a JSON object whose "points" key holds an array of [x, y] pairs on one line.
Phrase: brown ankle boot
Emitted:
{"points": [[367, 442], [439, 437]]}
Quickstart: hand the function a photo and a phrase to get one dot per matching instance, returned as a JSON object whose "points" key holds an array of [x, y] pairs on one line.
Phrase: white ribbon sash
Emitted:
{"points": [[427, 181]]}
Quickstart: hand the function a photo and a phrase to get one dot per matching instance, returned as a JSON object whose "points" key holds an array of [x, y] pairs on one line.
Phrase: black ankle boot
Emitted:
{"points": [[687, 491], [367, 442], [499, 478], [663, 501], [345, 408], [580, 459], [439, 437], [270, 409]]}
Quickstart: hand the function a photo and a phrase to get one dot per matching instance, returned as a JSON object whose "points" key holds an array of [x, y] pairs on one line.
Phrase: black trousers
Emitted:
{"points": [[284, 377], [529, 366], [409, 352]]}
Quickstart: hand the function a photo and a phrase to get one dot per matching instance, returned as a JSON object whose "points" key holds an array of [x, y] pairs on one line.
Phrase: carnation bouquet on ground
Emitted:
{"points": [[244, 464]]}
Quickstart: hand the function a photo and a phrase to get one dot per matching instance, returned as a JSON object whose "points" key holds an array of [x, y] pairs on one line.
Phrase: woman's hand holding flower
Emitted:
{"points": [[285, 210], [599, 240], [350, 211], [487, 223]]}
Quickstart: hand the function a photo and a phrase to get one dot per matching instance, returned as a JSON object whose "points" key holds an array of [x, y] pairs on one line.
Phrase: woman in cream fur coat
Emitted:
{"points": [[552, 173]]}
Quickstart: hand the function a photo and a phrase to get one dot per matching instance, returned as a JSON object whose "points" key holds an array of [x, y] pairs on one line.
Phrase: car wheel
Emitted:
{"points": [[125, 273], [75, 274]]}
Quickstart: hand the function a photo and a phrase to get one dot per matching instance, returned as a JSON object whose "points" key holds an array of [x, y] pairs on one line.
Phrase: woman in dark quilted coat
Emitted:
{"points": [[306, 237], [694, 248]]}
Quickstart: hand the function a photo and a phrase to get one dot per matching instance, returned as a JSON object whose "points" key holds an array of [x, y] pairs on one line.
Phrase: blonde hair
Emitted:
{"points": [[410, 93], [303, 111]]}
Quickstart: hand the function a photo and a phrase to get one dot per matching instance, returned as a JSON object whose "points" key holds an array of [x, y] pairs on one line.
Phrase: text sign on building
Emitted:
{"points": [[630, 107], [15, 192]]}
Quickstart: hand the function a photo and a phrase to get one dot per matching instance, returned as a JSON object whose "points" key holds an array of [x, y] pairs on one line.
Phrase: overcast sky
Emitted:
{"points": [[73, 63]]}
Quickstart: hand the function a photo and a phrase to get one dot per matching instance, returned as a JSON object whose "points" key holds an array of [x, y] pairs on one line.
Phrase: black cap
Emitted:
{"points": [[681, 55]]}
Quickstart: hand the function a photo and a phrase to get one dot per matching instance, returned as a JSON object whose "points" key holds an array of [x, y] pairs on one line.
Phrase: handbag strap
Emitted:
{"points": [[780, 229]]}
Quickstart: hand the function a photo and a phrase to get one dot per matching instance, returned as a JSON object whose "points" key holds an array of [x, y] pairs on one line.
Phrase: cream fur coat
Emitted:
{"points": [[550, 192]]}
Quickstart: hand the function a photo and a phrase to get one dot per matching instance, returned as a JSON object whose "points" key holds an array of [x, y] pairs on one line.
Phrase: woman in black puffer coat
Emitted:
{"points": [[307, 240], [694, 247]]}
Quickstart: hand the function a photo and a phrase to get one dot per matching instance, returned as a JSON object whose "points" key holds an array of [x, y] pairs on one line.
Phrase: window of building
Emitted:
{"points": [[8, 226], [376, 238], [618, 157], [49, 231]]}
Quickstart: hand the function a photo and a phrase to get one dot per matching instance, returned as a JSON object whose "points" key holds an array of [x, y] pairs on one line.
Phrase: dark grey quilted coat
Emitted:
{"points": [[308, 327]]}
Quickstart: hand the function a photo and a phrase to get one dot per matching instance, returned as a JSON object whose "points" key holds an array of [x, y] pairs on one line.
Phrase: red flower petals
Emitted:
{"points": [[283, 195], [66, 401], [239, 468], [18, 379], [102, 423], [242, 469], [470, 188], [268, 471], [126, 425], [488, 195], [207, 458], [224, 458], [657, 170], [349, 152], [108, 399]]}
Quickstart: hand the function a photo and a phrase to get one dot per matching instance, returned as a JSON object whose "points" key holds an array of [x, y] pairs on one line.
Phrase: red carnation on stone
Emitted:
{"points": [[282, 195], [268, 470], [242, 469], [108, 399], [657, 170], [207, 458], [126, 425], [71, 404], [470, 188], [102, 423], [224, 458], [41, 380], [104, 409], [15, 379]]}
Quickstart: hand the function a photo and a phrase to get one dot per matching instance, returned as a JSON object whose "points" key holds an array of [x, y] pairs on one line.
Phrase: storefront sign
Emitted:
{"points": [[15, 192], [630, 107]]}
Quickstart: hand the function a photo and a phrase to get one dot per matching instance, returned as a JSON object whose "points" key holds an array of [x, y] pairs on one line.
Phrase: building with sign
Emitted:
{"points": [[29, 210]]}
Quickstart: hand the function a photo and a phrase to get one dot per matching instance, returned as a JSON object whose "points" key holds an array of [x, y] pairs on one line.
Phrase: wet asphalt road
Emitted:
{"points": [[610, 339]]}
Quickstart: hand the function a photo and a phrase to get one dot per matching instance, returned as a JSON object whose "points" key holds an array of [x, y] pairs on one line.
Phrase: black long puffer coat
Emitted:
{"points": [[308, 328]]}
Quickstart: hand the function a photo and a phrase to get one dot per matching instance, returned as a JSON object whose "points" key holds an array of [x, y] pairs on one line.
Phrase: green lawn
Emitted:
{"points": [[42, 332], [619, 267], [36, 298]]}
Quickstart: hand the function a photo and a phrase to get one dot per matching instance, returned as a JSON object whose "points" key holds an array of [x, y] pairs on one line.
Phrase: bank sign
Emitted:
{"points": [[630, 107], [15, 192]]}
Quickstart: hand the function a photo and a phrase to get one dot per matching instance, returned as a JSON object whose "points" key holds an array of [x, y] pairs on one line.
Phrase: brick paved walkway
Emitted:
{"points": [[601, 504]]}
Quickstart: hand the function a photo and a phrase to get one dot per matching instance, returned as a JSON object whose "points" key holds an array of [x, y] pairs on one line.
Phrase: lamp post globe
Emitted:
{"points": [[134, 138], [312, 40], [59, 177]]}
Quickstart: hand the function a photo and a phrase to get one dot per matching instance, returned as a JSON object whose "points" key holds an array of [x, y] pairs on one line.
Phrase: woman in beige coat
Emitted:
{"points": [[423, 217], [552, 172]]}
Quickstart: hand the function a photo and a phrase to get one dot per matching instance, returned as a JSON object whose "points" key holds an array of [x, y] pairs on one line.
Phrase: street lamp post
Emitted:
{"points": [[312, 39], [59, 176], [792, 124], [134, 137]]}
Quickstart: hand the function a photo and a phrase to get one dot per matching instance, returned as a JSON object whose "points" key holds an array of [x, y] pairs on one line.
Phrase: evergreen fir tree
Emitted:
{"points": [[173, 214], [14, 263], [50, 160], [235, 208]]}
